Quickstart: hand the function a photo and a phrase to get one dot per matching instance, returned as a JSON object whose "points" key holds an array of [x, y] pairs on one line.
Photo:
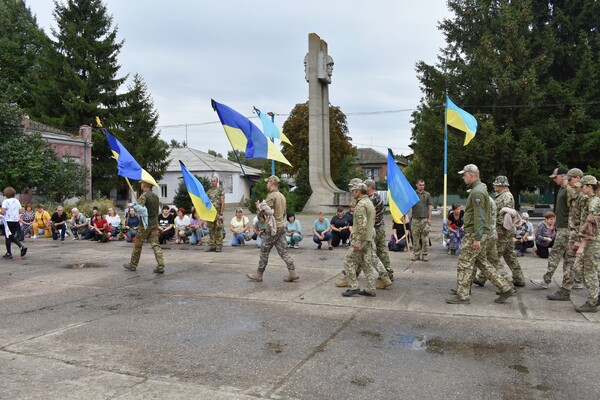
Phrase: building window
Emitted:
{"points": [[372, 173], [163, 191]]}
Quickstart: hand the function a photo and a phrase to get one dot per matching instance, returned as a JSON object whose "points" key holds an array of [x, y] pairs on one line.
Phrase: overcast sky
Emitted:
{"points": [[250, 53]]}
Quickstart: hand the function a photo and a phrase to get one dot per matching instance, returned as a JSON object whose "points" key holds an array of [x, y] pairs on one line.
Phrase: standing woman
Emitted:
{"points": [[10, 211]]}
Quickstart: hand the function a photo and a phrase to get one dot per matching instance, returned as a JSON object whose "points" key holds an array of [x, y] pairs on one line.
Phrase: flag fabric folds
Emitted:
{"points": [[127, 166], [200, 200], [245, 136], [270, 129], [401, 195], [460, 120]]}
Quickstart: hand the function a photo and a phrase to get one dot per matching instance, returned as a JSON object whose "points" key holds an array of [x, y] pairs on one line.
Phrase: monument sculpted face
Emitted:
{"points": [[324, 69]]}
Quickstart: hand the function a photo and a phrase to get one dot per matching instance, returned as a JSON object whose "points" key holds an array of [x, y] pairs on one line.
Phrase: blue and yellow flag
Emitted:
{"points": [[401, 195], [460, 120], [270, 129], [200, 200], [127, 166], [245, 136]]}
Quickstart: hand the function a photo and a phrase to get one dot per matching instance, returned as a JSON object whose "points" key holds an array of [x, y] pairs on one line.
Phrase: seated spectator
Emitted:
{"points": [[41, 223], [259, 225], [100, 228], [340, 228], [58, 224], [293, 231], [182, 226], [132, 223], [114, 223], [322, 231], [26, 219], [524, 236], [454, 225], [196, 229], [350, 214], [79, 224], [545, 235], [399, 236], [166, 225], [239, 228]]}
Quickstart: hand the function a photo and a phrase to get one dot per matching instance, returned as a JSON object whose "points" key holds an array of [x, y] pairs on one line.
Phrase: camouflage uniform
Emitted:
{"points": [[589, 262], [504, 243], [559, 250], [150, 201], [215, 228], [363, 233], [380, 236], [578, 212], [420, 224], [477, 226], [491, 252], [277, 202]]}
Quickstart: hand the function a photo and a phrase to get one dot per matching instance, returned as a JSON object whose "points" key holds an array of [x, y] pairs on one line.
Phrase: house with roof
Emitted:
{"points": [[374, 163], [235, 179]]}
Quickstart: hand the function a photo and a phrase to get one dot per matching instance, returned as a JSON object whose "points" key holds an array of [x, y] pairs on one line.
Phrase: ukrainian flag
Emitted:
{"points": [[245, 136], [401, 195], [460, 120], [200, 200], [270, 129], [127, 166]]}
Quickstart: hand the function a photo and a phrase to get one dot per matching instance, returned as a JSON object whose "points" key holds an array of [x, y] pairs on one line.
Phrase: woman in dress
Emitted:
{"points": [[26, 219]]}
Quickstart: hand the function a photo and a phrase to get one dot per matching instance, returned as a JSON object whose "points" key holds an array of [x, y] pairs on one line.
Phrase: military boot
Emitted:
{"points": [[384, 282], [129, 267], [342, 283], [587, 307], [561, 295], [457, 300], [257, 276], [293, 276]]}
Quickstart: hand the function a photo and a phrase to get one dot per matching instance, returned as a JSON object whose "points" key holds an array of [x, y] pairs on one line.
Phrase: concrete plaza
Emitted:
{"points": [[76, 325]]}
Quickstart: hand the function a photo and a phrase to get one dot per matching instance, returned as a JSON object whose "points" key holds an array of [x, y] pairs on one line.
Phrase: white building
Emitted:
{"points": [[236, 185]]}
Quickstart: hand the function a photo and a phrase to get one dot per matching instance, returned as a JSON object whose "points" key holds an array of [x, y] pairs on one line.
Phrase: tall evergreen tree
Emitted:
{"points": [[21, 44]]}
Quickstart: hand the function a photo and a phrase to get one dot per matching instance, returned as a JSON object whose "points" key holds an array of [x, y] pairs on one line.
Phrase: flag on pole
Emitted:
{"points": [[127, 166], [401, 194], [200, 200], [270, 129], [245, 136], [460, 120]]}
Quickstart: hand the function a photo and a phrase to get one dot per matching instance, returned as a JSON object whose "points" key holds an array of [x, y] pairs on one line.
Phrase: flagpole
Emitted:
{"points": [[272, 140], [445, 157], [131, 188]]}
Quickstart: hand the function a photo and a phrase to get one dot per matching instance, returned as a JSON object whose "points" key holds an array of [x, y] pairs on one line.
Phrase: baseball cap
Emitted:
{"points": [[370, 183], [358, 186], [273, 178], [574, 172], [588, 180], [558, 171], [469, 168]]}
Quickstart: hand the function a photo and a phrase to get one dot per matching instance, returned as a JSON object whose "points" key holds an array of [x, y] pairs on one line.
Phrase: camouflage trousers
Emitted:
{"points": [[420, 234], [558, 252], [151, 234], [491, 253], [506, 249], [381, 242], [377, 264], [277, 240], [356, 260], [215, 230], [571, 262], [468, 262], [590, 266]]}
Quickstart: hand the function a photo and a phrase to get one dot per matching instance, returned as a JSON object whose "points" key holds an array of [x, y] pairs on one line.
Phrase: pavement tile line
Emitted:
{"points": [[319, 349]]}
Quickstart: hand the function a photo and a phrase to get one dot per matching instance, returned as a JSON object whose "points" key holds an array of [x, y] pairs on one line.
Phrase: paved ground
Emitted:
{"points": [[76, 325]]}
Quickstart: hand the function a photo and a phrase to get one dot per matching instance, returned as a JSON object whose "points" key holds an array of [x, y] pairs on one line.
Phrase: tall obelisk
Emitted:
{"points": [[318, 65]]}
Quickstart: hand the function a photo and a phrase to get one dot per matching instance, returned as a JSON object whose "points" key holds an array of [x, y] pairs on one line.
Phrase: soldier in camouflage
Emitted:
{"points": [[421, 222], [148, 230], [491, 252], [381, 239], [588, 247], [277, 202], [216, 195], [359, 252], [477, 227], [504, 244]]}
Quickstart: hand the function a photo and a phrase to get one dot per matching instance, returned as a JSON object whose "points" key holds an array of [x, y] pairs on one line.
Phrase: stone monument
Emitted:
{"points": [[318, 67]]}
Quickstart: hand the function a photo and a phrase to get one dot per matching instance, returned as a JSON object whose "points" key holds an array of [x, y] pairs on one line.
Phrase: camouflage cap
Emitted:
{"points": [[574, 172], [358, 186], [353, 182], [588, 180], [501, 181], [370, 183], [469, 168], [273, 178]]}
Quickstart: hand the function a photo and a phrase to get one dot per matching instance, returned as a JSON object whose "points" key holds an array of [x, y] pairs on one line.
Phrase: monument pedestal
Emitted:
{"points": [[328, 202]]}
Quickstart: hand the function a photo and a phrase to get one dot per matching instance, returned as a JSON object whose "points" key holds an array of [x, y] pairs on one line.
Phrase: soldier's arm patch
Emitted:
{"points": [[477, 202]]}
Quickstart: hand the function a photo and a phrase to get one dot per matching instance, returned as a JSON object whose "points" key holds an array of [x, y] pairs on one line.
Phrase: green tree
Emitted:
{"points": [[296, 129], [65, 178], [174, 144], [22, 43], [214, 153], [182, 197]]}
